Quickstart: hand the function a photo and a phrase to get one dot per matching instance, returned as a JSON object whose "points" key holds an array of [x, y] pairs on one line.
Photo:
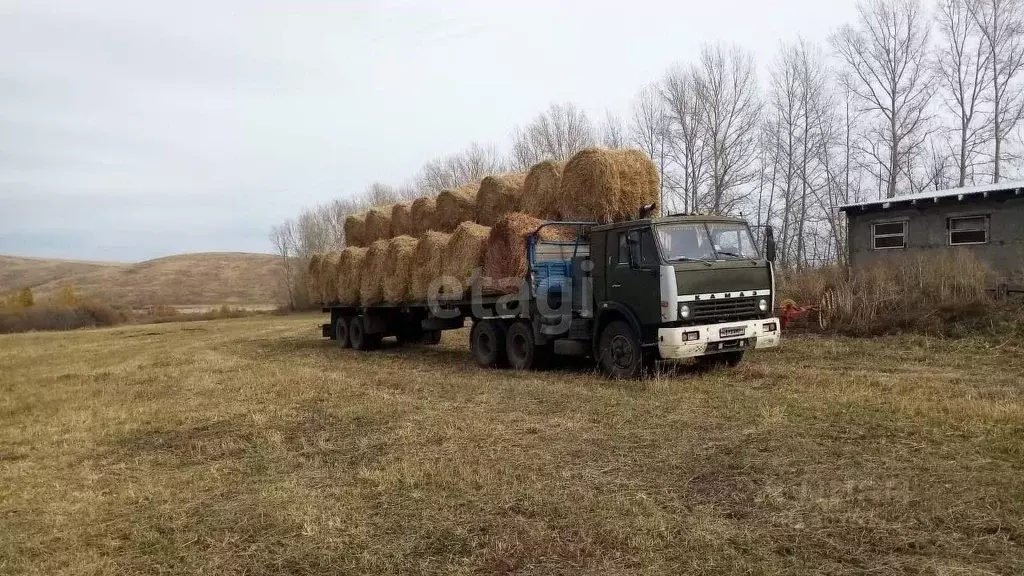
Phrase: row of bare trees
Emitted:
{"points": [[908, 97]]}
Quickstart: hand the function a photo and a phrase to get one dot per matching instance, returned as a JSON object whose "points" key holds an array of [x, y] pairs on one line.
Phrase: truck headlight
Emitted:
{"points": [[762, 305], [684, 311]]}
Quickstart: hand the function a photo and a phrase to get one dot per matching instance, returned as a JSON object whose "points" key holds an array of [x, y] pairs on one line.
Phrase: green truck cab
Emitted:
{"points": [[683, 286]]}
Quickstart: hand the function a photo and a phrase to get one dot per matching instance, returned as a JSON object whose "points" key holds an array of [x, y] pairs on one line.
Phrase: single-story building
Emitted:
{"points": [[987, 220]]}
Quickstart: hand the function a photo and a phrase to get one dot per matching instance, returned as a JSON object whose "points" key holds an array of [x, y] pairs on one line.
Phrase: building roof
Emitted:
{"points": [[958, 194]]}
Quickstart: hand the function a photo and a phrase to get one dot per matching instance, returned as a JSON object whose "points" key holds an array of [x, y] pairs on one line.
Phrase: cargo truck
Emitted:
{"points": [[625, 294]]}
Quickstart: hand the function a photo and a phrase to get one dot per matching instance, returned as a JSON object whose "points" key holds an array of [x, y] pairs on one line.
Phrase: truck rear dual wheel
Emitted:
{"points": [[522, 349], [487, 343], [359, 338], [341, 335]]}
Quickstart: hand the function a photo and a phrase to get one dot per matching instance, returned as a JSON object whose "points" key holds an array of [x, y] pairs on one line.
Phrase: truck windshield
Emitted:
{"points": [[712, 241]]}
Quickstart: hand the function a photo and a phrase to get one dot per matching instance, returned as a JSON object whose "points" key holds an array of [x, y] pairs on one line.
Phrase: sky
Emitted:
{"points": [[132, 130]]}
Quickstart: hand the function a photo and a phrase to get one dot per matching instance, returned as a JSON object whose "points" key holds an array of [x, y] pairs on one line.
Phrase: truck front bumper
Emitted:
{"points": [[693, 341]]}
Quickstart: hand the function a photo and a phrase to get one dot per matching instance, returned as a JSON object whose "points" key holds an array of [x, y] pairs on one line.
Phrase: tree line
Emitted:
{"points": [[908, 97]]}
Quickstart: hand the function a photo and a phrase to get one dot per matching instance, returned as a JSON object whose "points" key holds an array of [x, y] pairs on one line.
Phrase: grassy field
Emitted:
{"points": [[251, 446]]}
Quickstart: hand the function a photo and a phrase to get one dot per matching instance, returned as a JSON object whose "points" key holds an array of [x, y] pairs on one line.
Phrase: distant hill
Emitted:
{"points": [[214, 278]]}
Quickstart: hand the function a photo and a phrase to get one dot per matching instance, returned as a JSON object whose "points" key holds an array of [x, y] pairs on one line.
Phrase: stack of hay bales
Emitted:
{"points": [[399, 258], [483, 224], [313, 277], [498, 196], [355, 230], [455, 207], [428, 264], [463, 254], [374, 269], [350, 267], [607, 185], [541, 190]]}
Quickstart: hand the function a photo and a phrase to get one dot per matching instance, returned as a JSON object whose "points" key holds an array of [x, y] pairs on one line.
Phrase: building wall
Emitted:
{"points": [[926, 230]]}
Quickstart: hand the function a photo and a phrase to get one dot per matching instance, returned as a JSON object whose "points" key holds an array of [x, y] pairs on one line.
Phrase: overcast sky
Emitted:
{"points": [[131, 130]]}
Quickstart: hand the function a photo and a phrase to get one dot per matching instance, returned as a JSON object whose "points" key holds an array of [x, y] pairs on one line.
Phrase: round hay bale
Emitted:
{"points": [[505, 262], [498, 195], [378, 224], [313, 277], [371, 278], [329, 277], [427, 263], [455, 207], [349, 270], [355, 230], [541, 189], [422, 213], [401, 221], [399, 268], [607, 185], [463, 253]]}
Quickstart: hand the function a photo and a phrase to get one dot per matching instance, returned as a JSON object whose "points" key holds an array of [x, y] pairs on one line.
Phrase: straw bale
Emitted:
{"points": [[463, 253], [541, 189], [607, 185], [374, 268], [499, 195], [422, 214], [427, 263], [313, 277], [455, 207], [378, 224], [355, 230], [505, 254], [329, 277], [349, 270], [401, 220], [399, 268]]}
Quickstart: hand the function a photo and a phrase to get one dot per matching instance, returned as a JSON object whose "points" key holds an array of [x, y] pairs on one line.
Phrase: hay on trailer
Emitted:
{"points": [[398, 271], [427, 264], [463, 254], [505, 262], [371, 278], [607, 185], [349, 271], [541, 189], [329, 277], [498, 195], [355, 230], [378, 224], [313, 277], [455, 207], [401, 221], [422, 214]]}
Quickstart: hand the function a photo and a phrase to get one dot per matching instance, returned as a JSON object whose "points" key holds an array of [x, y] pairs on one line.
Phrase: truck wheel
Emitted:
{"points": [[620, 353], [523, 352], [358, 336], [487, 343], [341, 334]]}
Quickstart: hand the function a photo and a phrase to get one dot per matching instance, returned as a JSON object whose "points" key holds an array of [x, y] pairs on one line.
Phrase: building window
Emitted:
{"points": [[967, 230], [888, 235]]}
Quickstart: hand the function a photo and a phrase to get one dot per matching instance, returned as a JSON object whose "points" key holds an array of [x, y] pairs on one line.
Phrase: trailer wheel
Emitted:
{"points": [[359, 338], [341, 332], [487, 343], [621, 355], [521, 348]]}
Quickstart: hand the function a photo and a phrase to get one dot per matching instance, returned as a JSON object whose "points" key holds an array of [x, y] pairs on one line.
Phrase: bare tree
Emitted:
{"points": [[648, 130], [283, 238], [729, 105], [1001, 23], [886, 55], [555, 134], [613, 131], [963, 66], [473, 163], [685, 135]]}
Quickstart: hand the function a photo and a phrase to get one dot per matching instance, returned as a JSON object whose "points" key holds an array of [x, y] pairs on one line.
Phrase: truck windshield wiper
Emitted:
{"points": [[689, 259], [735, 255]]}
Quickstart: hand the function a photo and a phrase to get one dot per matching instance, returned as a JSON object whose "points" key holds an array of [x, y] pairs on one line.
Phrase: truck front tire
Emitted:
{"points": [[620, 354], [487, 343]]}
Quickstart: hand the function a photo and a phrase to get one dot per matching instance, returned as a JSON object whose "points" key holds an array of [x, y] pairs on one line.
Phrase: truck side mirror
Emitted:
{"points": [[769, 244]]}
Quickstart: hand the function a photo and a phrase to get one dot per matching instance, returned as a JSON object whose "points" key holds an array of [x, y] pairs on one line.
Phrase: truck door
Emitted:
{"points": [[633, 270]]}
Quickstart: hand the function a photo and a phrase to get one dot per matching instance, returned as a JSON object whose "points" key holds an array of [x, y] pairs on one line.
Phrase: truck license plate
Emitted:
{"points": [[732, 332]]}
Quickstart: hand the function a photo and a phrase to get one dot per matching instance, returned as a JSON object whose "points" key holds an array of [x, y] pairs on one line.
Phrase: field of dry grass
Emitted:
{"points": [[251, 446], [204, 279]]}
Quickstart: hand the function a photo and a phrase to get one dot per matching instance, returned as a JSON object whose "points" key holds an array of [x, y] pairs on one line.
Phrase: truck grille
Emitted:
{"points": [[726, 309]]}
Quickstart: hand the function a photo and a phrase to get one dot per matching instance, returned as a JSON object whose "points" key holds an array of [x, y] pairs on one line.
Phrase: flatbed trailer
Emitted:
{"points": [[618, 294]]}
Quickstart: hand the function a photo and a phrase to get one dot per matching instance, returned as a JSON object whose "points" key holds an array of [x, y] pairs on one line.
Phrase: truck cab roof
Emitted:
{"points": [[670, 219]]}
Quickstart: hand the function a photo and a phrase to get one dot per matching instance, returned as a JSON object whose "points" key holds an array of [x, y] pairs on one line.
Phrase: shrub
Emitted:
{"points": [[84, 314]]}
